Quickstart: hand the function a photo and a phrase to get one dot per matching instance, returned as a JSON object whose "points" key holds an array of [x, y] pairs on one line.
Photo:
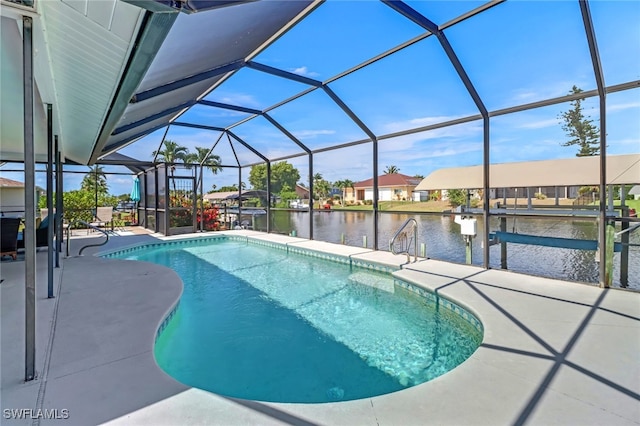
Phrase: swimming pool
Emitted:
{"points": [[271, 325]]}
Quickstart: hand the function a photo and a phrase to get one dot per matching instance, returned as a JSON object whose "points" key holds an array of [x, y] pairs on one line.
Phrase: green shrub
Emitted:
{"points": [[588, 190], [80, 204], [457, 197]]}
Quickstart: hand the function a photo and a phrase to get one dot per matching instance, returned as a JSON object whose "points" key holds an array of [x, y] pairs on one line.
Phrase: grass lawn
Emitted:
{"points": [[403, 206], [440, 206], [633, 204]]}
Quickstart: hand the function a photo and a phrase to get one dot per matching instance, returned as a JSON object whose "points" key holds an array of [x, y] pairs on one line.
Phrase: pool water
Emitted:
{"points": [[263, 324]]}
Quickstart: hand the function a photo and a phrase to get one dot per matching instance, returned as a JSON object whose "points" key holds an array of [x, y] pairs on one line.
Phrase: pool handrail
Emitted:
{"points": [[90, 226], [402, 240]]}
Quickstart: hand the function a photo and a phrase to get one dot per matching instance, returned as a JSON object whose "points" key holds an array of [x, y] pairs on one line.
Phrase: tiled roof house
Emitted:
{"points": [[391, 187], [11, 197]]}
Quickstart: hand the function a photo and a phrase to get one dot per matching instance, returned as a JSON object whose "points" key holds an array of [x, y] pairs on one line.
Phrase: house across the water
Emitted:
{"points": [[391, 187]]}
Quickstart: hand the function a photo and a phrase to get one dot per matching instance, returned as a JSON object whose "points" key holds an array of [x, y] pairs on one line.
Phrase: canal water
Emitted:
{"points": [[442, 239]]}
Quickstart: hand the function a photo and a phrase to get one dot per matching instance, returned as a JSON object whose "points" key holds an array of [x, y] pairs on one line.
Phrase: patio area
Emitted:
{"points": [[553, 352]]}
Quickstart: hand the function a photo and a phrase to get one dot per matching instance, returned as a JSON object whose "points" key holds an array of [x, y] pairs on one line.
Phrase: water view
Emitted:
{"points": [[441, 236]]}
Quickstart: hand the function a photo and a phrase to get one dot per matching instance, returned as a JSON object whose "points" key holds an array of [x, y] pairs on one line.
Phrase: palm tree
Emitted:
{"points": [[171, 153], [95, 180], [202, 157], [389, 170], [320, 187], [344, 184]]}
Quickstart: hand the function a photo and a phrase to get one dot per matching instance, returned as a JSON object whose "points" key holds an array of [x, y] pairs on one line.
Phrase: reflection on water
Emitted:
{"points": [[443, 241]]}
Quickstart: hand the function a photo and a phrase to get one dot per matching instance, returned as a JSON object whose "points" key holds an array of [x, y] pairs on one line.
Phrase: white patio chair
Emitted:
{"points": [[104, 216]]}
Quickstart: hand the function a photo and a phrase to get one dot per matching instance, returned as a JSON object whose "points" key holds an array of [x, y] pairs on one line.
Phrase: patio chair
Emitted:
{"points": [[104, 216], [44, 212], [42, 234], [9, 236]]}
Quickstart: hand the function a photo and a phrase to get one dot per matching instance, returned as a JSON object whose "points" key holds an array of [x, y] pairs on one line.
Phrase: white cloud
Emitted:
{"points": [[622, 106], [633, 142], [524, 95], [397, 126], [304, 71], [551, 90], [240, 99], [122, 181], [461, 134], [310, 134], [430, 150], [540, 124]]}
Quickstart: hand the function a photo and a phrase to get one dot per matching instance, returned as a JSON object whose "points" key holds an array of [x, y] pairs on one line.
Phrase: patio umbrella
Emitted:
{"points": [[135, 195]]}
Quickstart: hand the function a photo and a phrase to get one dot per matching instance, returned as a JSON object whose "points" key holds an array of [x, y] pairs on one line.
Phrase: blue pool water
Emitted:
{"points": [[263, 324]]}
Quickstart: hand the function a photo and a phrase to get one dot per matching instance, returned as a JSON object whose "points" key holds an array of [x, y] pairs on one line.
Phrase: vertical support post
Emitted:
{"points": [[310, 196], [486, 211], [201, 198], [375, 193], [95, 190], [239, 195], [29, 201], [268, 200], [50, 247], [529, 203], [194, 202], [59, 190], [624, 254], [364, 241], [599, 77], [342, 239], [503, 245], [556, 195], [143, 216], [415, 242], [468, 243], [167, 201], [610, 238], [423, 250]]}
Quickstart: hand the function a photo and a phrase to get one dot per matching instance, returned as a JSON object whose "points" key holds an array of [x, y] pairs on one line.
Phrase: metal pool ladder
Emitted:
{"points": [[402, 240]]}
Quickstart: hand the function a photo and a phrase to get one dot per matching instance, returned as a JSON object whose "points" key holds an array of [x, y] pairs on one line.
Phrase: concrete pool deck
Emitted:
{"points": [[554, 352]]}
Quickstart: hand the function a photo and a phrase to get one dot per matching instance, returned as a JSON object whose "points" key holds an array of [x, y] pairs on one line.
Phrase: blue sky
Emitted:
{"points": [[517, 52]]}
